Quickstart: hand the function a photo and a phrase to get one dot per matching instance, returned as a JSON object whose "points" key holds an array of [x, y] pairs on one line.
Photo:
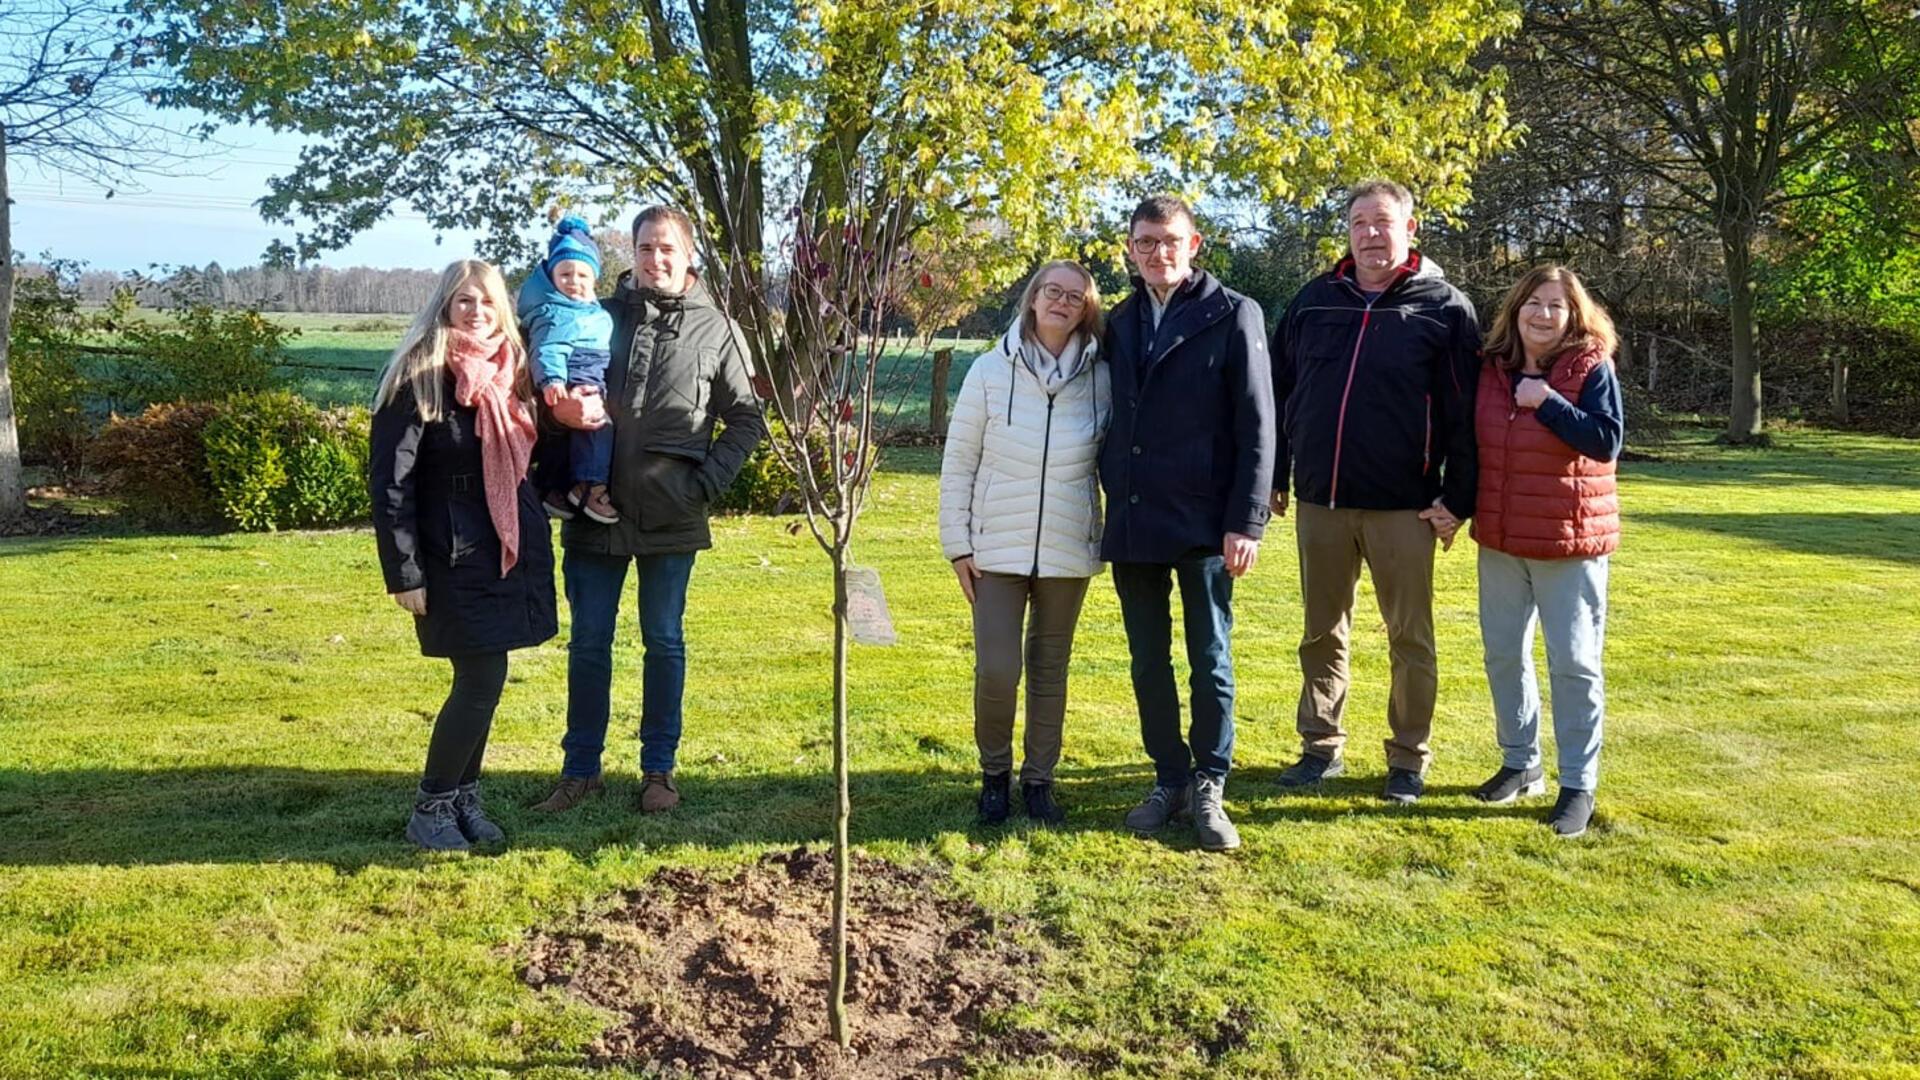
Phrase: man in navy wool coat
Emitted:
{"points": [[1187, 468]]}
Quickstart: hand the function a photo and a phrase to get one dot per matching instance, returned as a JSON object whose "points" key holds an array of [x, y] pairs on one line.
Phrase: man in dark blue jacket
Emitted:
{"points": [[1187, 466], [1375, 365]]}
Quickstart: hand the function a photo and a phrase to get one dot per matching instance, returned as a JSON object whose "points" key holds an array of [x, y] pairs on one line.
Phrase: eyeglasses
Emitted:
{"points": [[1147, 245], [1053, 294]]}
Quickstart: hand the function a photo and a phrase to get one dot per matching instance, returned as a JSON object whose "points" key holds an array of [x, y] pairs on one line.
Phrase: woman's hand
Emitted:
{"points": [[583, 409], [414, 600], [1532, 392], [964, 569]]}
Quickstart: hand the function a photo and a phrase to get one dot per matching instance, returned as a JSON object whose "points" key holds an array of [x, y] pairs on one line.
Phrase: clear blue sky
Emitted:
{"points": [[204, 214]]}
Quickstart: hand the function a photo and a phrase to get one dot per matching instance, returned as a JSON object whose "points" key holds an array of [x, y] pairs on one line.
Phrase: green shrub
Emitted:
{"points": [[765, 484], [200, 353], [276, 461], [156, 464]]}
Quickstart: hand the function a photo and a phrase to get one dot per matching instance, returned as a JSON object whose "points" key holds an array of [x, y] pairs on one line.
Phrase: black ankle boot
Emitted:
{"points": [[995, 796], [1038, 795]]}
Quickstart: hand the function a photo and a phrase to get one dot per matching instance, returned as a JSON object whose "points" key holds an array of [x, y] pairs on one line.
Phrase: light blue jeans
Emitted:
{"points": [[1569, 599]]}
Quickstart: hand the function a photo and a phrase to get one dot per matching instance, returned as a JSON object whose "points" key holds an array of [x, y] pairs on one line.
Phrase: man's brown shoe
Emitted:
{"points": [[569, 793], [657, 792]]}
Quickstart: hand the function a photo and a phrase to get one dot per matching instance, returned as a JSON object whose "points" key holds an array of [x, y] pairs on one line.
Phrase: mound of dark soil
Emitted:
{"points": [[724, 979]]}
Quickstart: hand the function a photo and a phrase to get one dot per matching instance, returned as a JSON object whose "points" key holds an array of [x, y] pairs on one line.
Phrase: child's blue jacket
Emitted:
{"points": [[558, 326]]}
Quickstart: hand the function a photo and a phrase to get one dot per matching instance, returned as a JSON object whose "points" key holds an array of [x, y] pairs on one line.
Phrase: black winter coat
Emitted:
{"points": [[431, 523], [1189, 455], [1376, 398]]}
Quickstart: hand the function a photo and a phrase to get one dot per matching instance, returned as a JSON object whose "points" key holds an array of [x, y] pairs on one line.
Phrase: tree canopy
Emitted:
{"points": [[1033, 115]]}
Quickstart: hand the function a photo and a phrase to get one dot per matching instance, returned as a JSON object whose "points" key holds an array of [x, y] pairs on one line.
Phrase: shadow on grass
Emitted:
{"points": [[354, 818], [1890, 537]]}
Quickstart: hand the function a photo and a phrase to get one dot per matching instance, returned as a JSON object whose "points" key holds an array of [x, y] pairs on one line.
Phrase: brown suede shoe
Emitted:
{"points": [[569, 793], [658, 793]]}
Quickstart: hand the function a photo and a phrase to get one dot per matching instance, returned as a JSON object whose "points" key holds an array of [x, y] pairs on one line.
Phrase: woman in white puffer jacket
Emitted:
{"points": [[1020, 521]]}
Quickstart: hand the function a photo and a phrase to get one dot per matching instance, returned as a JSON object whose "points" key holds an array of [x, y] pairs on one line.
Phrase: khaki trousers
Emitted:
{"points": [[1002, 602], [1397, 548]]}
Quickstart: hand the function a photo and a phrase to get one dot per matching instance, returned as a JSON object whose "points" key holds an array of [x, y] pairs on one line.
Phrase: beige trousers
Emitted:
{"points": [[1397, 548]]}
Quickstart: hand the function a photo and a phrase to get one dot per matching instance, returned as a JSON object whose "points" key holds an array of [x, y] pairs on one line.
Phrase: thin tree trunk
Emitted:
{"points": [[1653, 365], [837, 995], [1841, 412], [1743, 414], [13, 490]]}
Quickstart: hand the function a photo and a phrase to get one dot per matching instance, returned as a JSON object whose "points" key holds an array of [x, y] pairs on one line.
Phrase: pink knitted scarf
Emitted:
{"points": [[483, 381]]}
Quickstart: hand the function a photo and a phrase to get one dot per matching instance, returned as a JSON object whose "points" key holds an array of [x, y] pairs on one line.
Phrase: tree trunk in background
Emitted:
{"points": [[1840, 410], [1653, 364], [1743, 413], [13, 490], [937, 408]]}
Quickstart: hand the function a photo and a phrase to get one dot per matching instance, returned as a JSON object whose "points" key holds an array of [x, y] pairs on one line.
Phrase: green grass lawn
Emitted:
{"points": [[334, 358], [207, 746]]}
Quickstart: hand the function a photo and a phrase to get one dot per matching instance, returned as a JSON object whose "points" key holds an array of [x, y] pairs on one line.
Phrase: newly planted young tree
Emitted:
{"points": [[843, 274]]}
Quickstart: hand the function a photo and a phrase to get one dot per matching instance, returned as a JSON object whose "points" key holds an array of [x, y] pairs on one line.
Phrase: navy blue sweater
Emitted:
{"points": [[1594, 426]]}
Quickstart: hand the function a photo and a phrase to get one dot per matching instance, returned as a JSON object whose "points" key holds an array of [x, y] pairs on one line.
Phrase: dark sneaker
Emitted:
{"points": [[558, 505], [1210, 825], [1163, 805], [1404, 786], [995, 796], [1571, 813], [1311, 769], [433, 825], [1510, 784], [471, 819], [658, 792], [570, 792], [598, 505], [1041, 808]]}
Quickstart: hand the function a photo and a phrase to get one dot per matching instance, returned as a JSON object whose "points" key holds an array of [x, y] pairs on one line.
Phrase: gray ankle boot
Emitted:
{"points": [[471, 819], [433, 825], [1210, 825]]}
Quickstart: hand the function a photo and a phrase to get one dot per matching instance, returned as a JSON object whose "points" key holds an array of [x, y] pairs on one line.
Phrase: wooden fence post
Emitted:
{"points": [[937, 408]]}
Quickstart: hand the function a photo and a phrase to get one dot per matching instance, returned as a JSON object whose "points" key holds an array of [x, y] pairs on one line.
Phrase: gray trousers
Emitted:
{"points": [[1048, 608], [1567, 599]]}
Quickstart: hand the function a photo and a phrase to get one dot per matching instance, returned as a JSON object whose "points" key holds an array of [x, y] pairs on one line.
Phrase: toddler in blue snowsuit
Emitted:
{"points": [[568, 335]]}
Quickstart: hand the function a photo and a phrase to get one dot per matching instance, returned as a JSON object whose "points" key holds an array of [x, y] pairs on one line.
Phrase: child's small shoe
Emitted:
{"points": [[599, 506], [558, 505]]}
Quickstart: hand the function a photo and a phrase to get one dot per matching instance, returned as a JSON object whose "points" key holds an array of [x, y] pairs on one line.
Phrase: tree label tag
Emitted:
{"points": [[867, 608]]}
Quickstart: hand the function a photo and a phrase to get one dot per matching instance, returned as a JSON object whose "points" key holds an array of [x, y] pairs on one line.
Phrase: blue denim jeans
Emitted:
{"points": [[589, 453], [1569, 598], [1206, 607], [594, 584]]}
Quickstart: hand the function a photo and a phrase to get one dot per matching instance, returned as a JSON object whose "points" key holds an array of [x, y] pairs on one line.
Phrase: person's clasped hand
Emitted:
{"points": [[1531, 393], [581, 408], [1444, 524]]}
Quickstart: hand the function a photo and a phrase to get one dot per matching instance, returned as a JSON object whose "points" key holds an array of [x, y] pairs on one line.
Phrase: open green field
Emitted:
{"points": [[208, 743], [334, 358]]}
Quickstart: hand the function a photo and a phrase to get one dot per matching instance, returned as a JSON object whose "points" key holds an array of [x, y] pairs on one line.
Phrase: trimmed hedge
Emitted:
{"points": [[254, 462]]}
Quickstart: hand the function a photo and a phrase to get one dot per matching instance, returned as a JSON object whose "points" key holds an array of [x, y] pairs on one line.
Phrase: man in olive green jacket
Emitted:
{"points": [[678, 365]]}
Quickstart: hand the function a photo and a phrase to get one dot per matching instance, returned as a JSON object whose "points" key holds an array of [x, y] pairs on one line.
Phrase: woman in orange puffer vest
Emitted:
{"points": [[1549, 424]]}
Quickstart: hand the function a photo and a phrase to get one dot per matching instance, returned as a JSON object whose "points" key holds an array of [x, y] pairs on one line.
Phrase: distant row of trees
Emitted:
{"points": [[355, 290]]}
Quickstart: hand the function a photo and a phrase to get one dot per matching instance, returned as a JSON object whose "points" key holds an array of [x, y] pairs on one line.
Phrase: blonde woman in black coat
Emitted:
{"points": [[463, 539]]}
